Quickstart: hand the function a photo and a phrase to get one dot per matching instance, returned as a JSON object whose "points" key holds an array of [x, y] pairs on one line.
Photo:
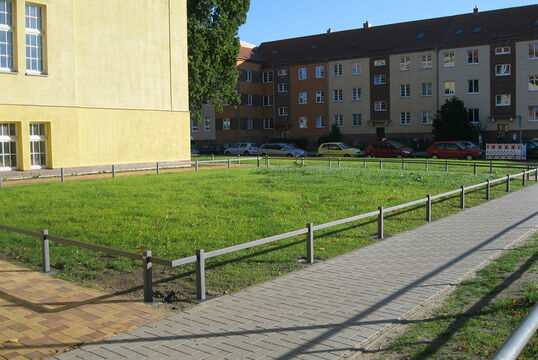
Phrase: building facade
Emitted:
{"points": [[88, 83]]}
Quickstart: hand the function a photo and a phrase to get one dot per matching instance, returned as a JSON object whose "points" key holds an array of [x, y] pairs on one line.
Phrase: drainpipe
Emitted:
{"points": [[239, 112], [437, 74], [274, 100]]}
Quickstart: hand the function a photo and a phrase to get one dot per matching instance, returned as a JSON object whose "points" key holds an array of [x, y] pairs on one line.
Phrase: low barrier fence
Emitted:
{"points": [[200, 254]]}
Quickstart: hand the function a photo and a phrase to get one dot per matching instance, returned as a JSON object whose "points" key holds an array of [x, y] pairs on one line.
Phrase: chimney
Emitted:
{"points": [[329, 31], [366, 25], [475, 10]]}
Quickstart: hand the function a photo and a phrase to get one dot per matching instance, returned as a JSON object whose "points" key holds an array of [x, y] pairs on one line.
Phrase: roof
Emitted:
{"points": [[444, 32]]}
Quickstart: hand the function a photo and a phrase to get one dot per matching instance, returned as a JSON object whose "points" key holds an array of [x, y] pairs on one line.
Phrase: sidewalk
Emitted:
{"points": [[329, 308]]}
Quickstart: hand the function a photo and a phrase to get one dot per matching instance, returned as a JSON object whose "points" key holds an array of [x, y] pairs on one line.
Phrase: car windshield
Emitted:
{"points": [[345, 146], [397, 144]]}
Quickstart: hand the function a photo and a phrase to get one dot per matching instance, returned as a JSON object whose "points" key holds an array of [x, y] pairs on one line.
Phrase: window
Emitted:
{"points": [[267, 77], [338, 95], [226, 124], [267, 100], [472, 86], [207, 124], [503, 100], [426, 89], [38, 146], [283, 111], [380, 106], [426, 118], [282, 87], [502, 70], [380, 79], [249, 99], [267, 124], [320, 97], [472, 57], [250, 124], [8, 147], [6, 38], [248, 76], [404, 63], [356, 68], [421, 35], [473, 115], [477, 29], [337, 70], [449, 59], [533, 83], [502, 50], [533, 51], [338, 120], [405, 90], [320, 72], [320, 121], [533, 113], [301, 74], [303, 97], [405, 118], [34, 39], [282, 72], [302, 122], [194, 126], [450, 88], [357, 119], [380, 62], [426, 61], [356, 94]]}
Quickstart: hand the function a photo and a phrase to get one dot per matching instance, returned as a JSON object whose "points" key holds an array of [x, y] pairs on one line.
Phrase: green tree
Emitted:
{"points": [[451, 122], [213, 49]]}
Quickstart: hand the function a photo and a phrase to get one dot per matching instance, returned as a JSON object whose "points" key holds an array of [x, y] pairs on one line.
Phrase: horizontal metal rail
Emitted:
{"points": [[95, 247], [21, 231], [345, 221], [403, 206], [183, 261]]}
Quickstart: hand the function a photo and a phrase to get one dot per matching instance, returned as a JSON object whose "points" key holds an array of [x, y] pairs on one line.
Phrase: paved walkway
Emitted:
{"points": [[327, 309], [41, 315]]}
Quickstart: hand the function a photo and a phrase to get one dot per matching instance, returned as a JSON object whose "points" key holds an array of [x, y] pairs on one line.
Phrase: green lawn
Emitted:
{"points": [[172, 214]]}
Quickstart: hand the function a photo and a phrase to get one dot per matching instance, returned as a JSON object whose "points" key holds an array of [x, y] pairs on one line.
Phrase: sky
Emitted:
{"points": [[269, 20]]}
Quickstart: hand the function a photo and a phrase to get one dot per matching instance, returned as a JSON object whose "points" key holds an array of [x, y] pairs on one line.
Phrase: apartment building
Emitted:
{"points": [[390, 80], [88, 83]]}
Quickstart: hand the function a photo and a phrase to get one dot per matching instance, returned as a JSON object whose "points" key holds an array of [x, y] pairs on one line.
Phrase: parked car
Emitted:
{"points": [[280, 149], [194, 150], [242, 149], [453, 150], [338, 149], [414, 143], [388, 148], [532, 149], [211, 149], [469, 143]]}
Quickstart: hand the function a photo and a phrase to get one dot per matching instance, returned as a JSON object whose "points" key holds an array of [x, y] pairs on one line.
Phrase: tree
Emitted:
{"points": [[334, 135], [213, 46], [451, 122]]}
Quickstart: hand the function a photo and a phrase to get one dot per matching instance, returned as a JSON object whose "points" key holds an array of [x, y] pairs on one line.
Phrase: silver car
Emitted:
{"points": [[242, 149], [280, 149]]}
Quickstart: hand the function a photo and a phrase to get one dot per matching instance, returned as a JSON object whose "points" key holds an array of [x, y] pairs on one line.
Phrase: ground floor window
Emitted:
{"points": [[8, 147], [38, 146]]}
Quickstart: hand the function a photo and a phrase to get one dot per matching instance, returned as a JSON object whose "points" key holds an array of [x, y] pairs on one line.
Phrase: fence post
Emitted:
{"points": [[1, 180], [488, 190], [508, 183], [339, 163], [229, 163], [238, 159], [364, 159], [45, 251], [196, 164], [380, 163], [258, 161], [528, 172], [158, 168], [446, 165], [491, 167], [380, 221], [427, 165], [462, 197], [535, 176], [475, 170], [523, 178], [310, 243], [267, 160], [113, 171], [148, 283], [303, 161], [200, 274], [330, 161], [297, 159], [62, 172], [429, 208], [403, 163], [213, 158]]}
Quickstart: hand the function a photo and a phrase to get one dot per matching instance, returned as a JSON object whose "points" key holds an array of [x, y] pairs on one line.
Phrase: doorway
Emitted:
{"points": [[380, 133], [502, 132]]}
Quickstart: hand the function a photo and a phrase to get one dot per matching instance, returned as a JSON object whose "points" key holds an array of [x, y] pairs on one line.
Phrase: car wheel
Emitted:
{"points": [[399, 156], [368, 155], [469, 157], [289, 155], [435, 156], [263, 154], [246, 153], [227, 153], [347, 155]]}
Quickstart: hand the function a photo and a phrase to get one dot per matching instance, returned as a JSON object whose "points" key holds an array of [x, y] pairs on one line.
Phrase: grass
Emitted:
{"points": [[173, 214], [473, 323]]}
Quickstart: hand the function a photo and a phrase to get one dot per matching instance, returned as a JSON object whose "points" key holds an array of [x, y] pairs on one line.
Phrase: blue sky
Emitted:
{"points": [[280, 19]]}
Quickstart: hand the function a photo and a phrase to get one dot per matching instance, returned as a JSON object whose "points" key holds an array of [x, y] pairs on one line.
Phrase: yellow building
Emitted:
{"points": [[92, 82]]}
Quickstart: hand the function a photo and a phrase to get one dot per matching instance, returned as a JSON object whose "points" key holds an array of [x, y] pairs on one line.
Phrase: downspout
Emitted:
{"points": [[274, 100], [437, 74], [239, 111]]}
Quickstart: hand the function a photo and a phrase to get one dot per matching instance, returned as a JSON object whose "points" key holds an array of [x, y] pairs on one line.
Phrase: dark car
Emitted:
{"points": [[532, 149], [453, 150], [211, 149], [413, 143], [388, 148]]}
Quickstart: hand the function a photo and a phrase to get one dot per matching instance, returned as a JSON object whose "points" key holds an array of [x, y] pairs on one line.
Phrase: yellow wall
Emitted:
{"points": [[115, 82]]}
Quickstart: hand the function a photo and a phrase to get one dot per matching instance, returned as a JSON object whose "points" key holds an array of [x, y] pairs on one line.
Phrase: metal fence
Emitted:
{"points": [[200, 255]]}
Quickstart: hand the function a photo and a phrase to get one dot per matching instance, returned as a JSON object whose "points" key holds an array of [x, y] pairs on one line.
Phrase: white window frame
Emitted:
{"points": [[405, 118], [248, 76], [194, 126], [303, 122], [426, 62], [471, 84], [534, 111], [35, 62], [472, 57], [449, 59], [380, 105], [283, 87], [8, 135], [320, 121], [226, 124], [283, 111], [8, 29], [356, 68], [250, 123], [320, 97], [356, 94], [533, 51], [267, 100], [207, 124], [249, 100], [356, 120], [320, 72], [502, 50], [405, 91], [338, 70], [380, 62], [267, 124], [380, 79], [449, 90], [426, 118], [500, 100], [503, 70], [267, 77], [303, 97], [475, 119], [338, 95], [338, 120], [405, 63], [533, 82], [38, 139], [426, 89], [301, 73]]}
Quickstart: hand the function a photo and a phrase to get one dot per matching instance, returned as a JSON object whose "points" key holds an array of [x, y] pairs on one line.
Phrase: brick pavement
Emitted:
{"points": [[328, 309], [41, 315]]}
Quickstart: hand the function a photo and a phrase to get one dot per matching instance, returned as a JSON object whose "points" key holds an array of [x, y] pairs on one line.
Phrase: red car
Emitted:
{"points": [[388, 149], [453, 150]]}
